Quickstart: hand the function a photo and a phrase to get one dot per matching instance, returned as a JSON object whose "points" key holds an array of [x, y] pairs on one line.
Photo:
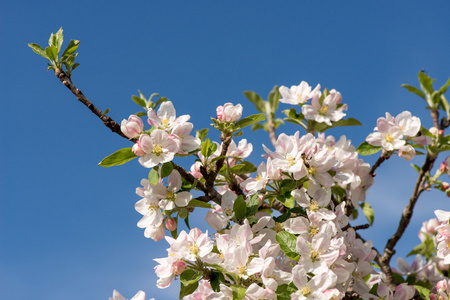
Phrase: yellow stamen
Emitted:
{"points": [[323, 110], [389, 138], [157, 150]]}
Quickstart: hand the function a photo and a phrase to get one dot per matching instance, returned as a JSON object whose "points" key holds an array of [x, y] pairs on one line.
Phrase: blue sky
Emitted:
{"points": [[68, 227]]}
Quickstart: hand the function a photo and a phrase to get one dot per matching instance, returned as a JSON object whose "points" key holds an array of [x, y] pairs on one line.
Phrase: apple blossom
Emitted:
{"points": [[133, 127], [298, 94]]}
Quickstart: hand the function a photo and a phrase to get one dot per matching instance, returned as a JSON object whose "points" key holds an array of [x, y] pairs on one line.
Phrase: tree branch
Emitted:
{"points": [[404, 220], [385, 155]]}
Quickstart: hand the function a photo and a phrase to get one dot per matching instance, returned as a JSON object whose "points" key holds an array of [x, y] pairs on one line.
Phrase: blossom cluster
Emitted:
{"points": [[310, 251]]}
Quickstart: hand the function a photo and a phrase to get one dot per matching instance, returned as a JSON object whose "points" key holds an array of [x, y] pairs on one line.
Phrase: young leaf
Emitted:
{"points": [[71, 48], [367, 149], [414, 90], [187, 289], [238, 292], [250, 120], [198, 203], [52, 53], [139, 101], [58, 39], [205, 147], [424, 292], [368, 212], [416, 167], [287, 243], [347, 122], [256, 100], [38, 50], [201, 134], [118, 158], [240, 208], [166, 169], [274, 99], [153, 176], [252, 205], [190, 276]]}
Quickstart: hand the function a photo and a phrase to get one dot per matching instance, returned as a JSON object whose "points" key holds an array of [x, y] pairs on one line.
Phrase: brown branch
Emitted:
{"points": [[435, 117], [110, 123], [385, 155], [210, 193], [404, 220]]}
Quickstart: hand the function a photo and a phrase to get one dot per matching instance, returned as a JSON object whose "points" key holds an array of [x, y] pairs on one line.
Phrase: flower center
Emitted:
{"points": [[305, 291], [165, 122], [157, 150], [153, 207], [314, 256], [312, 170], [314, 206], [291, 160], [389, 138], [170, 196], [323, 110], [193, 248], [313, 230]]}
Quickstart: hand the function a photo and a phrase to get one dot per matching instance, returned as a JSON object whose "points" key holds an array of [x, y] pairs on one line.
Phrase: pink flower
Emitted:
{"points": [[133, 127], [298, 94], [407, 152], [158, 148]]}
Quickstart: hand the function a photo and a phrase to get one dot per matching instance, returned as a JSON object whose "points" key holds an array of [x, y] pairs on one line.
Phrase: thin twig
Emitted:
{"points": [[271, 129], [385, 155]]}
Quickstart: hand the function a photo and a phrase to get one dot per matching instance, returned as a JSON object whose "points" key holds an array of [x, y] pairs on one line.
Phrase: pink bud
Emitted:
{"points": [[219, 111], [178, 267], [443, 166], [441, 132], [137, 149], [171, 224], [442, 285], [133, 127], [445, 185]]}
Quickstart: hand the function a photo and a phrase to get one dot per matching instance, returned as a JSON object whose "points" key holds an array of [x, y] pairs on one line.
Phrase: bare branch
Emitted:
{"points": [[271, 129], [385, 155]]}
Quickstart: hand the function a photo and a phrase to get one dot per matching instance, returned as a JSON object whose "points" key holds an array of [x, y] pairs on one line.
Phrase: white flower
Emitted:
{"points": [[327, 111], [139, 296], [389, 136], [159, 147], [298, 94]]}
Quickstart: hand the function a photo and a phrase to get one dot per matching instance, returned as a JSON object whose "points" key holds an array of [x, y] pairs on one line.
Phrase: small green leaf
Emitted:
{"points": [[250, 120], [243, 168], [426, 83], [238, 292], [256, 100], [288, 243], [416, 167], [71, 48], [424, 292], [58, 39], [118, 158], [320, 127], [52, 53], [414, 90], [153, 176], [187, 289], [257, 126], [426, 248], [38, 50], [166, 169], [274, 99], [201, 134], [140, 114], [205, 147], [368, 212], [367, 149], [216, 279], [198, 203], [106, 111], [240, 208], [190, 276], [444, 104], [252, 205], [443, 88], [139, 101]]}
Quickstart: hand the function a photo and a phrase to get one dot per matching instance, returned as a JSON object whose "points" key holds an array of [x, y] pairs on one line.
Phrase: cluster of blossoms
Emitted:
{"points": [[390, 134], [310, 251], [168, 136]]}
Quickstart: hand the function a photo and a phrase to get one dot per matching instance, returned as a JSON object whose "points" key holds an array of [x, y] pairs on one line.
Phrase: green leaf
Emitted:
{"points": [[238, 292], [52, 53], [216, 279], [153, 176], [187, 289], [424, 292], [58, 39], [443, 88], [414, 90], [426, 248], [368, 212], [274, 99], [444, 104], [416, 167], [240, 208], [367, 149], [166, 169], [198, 203], [426, 83], [250, 120], [257, 126], [205, 147], [287, 243], [252, 205], [107, 111], [38, 50], [71, 48], [243, 168], [139, 101], [320, 127], [256, 100], [118, 158], [190, 276], [201, 134]]}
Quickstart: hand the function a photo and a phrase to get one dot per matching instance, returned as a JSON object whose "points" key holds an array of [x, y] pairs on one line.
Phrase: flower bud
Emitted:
{"points": [[178, 267], [229, 113], [171, 224], [448, 192], [137, 149], [445, 185], [434, 131], [133, 127]]}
